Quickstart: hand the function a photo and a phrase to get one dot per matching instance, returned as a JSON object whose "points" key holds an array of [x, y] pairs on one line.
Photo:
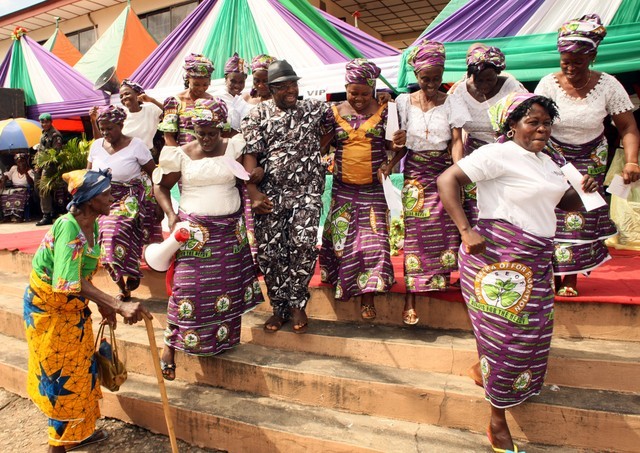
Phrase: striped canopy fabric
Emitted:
{"points": [[59, 45], [526, 31], [124, 45], [49, 84], [316, 45]]}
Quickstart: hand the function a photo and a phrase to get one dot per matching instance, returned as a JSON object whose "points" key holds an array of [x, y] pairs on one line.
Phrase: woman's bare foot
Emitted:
{"points": [[476, 374]]}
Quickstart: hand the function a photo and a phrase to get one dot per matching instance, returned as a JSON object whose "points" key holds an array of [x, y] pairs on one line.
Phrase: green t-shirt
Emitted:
{"points": [[64, 256]]}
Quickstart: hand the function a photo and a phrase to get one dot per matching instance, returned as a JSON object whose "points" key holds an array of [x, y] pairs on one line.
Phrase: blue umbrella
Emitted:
{"points": [[19, 133]]}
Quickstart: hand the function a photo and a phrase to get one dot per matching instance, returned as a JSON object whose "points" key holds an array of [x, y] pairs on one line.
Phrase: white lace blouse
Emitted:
{"points": [[438, 122], [581, 119], [208, 185], [479, 126]]}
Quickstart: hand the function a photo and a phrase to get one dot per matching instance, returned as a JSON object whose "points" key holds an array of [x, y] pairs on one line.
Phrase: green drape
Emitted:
{"points": [[531, 57], [234, 18], [628, 12], [314, 20], [19, 75]]}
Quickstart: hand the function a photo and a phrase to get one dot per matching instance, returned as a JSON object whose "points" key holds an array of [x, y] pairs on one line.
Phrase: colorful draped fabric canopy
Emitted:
{"points": [[49, 84], [59, 45], [287, 29], [526, 31], [124, 45]]}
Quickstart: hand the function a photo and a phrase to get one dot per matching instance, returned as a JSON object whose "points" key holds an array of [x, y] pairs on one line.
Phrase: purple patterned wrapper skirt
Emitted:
{"points": [[509, 296], [580, 235], [355, 255], [121, 232], [431, 238], [214, 284]]}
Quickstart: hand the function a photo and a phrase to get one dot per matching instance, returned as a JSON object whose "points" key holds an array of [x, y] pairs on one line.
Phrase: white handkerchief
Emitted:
{"points": [[236, 168], [392, 121], [619, 188], [393, 197], [591, 200]]}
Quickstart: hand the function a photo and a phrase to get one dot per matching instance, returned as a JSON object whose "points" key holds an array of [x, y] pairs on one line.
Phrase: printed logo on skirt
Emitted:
{"points": [[503, 289]]}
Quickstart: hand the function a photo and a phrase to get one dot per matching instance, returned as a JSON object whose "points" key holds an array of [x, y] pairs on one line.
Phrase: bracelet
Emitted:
{"points": [[632, 163]]}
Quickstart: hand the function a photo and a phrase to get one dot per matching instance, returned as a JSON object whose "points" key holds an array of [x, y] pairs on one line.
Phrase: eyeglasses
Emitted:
{"points": [[284, 86]]}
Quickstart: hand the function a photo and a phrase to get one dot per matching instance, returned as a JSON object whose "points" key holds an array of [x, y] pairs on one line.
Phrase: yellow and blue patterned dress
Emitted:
{"points": [[63, 379]]}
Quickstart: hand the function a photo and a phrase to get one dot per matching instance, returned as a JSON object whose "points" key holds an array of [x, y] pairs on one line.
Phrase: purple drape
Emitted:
{"points": [[323, 50], [482, 19], [72, 86], [4, 68], [155, 65], [78, 107], [368, 46]]}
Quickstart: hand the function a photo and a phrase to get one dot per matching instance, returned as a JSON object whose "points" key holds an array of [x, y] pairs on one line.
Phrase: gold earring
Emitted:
{"points": [[511, 133]]}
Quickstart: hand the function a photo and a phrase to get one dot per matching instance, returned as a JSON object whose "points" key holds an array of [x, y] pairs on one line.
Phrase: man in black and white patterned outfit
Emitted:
{"points": [[283, 137]]}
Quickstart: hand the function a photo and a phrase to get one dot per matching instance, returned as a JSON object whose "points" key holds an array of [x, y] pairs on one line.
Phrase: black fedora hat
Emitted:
{"points": [[281, 71]]}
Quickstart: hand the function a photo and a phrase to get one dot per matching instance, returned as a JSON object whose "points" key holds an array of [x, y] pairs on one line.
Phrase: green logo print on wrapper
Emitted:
{"points": [[503, 289], [523, 381], [363, 279], [191, 340], [128, 207], [223, 303], [185, 310], [340, 228], [502, 292], [573, 221], [563, 253]]}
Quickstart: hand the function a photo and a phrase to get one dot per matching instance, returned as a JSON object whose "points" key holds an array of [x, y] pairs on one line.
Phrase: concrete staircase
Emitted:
{"points": [[347, 386]]}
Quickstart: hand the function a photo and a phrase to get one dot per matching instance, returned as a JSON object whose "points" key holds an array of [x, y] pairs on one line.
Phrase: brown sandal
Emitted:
{"points": [[410, 317], [300, 321], [368, 312], [274, 323]]}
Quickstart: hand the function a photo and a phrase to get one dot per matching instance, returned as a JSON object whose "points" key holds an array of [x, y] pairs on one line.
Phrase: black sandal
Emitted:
{"points": [[97, 436], [167, 369]]}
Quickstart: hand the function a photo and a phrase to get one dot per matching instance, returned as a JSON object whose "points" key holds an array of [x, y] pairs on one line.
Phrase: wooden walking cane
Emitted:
{"points": [[163, 390]]}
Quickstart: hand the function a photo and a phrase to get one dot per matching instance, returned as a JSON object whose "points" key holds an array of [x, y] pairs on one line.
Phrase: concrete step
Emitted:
{"points": [[241, 422], [605, 321], [590, 364], [593, 364], [393, 393]]}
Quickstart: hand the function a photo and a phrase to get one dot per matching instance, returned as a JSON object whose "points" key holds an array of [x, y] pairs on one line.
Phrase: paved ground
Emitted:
{"points": [[23, 430], [8, 227]]}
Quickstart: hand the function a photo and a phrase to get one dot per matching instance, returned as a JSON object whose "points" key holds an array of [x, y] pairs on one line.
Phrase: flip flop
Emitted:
{"points": [[97, 436], [168, 367], [501, 450], [275, 321]]}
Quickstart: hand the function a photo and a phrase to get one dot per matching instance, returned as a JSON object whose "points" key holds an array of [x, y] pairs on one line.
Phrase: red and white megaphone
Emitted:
{"points": [[160, 255]]}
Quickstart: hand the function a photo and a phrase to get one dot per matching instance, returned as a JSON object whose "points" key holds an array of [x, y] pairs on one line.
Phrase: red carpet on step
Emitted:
{"points": [[616, 281]]}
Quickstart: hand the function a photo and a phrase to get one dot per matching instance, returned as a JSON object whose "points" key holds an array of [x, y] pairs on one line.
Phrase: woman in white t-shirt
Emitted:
{"points": [[122, 231], [214, 280], [505, 260]]}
